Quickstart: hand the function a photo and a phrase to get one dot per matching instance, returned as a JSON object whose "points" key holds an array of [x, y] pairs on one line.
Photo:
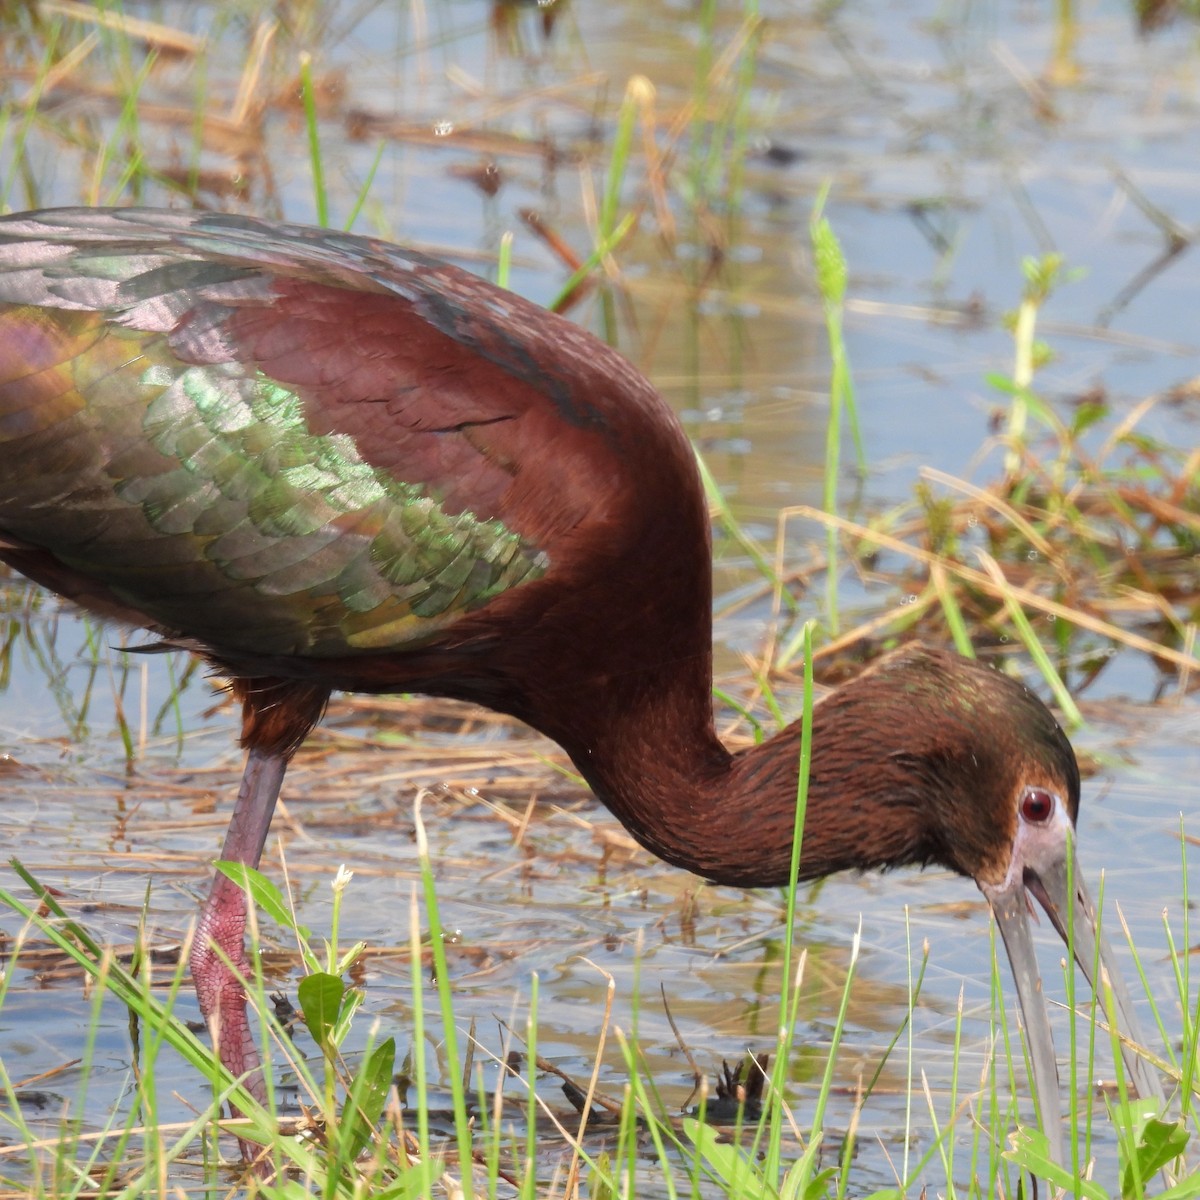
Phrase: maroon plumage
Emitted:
{"points": [[325, 462]]}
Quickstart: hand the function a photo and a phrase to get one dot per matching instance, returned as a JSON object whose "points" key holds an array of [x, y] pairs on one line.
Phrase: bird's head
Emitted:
{"points": [[990, 781], [1041, 863]]}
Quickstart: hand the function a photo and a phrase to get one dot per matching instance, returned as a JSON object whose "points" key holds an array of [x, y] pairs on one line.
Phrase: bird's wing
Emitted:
{"points": [[286, 440]]}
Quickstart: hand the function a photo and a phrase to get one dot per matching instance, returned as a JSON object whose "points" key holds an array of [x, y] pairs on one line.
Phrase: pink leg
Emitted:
{"points": [[223, 926]]}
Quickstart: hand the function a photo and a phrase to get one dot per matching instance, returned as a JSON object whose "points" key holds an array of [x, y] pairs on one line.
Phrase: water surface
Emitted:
{"points": [[950, 156]]}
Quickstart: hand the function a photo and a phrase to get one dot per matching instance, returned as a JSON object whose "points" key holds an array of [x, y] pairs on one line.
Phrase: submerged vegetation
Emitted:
{"points": [[648, 191]]}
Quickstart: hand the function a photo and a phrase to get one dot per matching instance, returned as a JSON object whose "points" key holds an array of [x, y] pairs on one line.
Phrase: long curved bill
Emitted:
{"points": [[1072, 914]]}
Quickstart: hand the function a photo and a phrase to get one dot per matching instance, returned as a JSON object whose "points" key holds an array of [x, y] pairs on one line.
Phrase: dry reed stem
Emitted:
{"points": [[1019, 594], [165, 37]]}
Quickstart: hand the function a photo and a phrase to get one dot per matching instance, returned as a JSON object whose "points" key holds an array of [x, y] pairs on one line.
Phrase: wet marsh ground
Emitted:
{"points": [[957, 141]]}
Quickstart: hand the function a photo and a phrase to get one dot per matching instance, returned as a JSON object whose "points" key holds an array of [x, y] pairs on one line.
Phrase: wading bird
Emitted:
{"points": [[323, 462]]}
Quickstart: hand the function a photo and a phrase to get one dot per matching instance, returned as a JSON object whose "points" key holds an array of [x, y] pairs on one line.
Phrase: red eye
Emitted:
{"points": [[1037, 805]]}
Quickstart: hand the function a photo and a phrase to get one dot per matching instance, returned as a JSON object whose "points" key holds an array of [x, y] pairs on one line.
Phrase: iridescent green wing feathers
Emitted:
{"points": [[148, 443]]}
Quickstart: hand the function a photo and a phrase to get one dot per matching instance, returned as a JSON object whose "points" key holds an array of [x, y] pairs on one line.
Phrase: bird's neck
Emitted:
{"points": [[652, 755]]}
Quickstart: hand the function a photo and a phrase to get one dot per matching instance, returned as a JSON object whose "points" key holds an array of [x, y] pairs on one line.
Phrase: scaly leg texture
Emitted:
{"points": [[222, 927]]}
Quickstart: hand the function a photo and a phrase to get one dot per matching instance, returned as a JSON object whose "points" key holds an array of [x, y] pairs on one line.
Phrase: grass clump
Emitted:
{"points": [[368, 1125]]}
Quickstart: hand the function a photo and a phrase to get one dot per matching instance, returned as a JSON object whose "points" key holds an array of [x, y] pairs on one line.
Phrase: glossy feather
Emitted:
{"points": [[323, 461], [334, 471]]}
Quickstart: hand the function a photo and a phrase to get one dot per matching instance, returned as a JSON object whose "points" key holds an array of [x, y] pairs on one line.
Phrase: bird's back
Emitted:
{"points": [[281, 441]]}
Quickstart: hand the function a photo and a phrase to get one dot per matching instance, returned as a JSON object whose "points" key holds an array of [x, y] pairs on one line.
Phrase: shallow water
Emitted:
{"points": [[950, 158]]}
